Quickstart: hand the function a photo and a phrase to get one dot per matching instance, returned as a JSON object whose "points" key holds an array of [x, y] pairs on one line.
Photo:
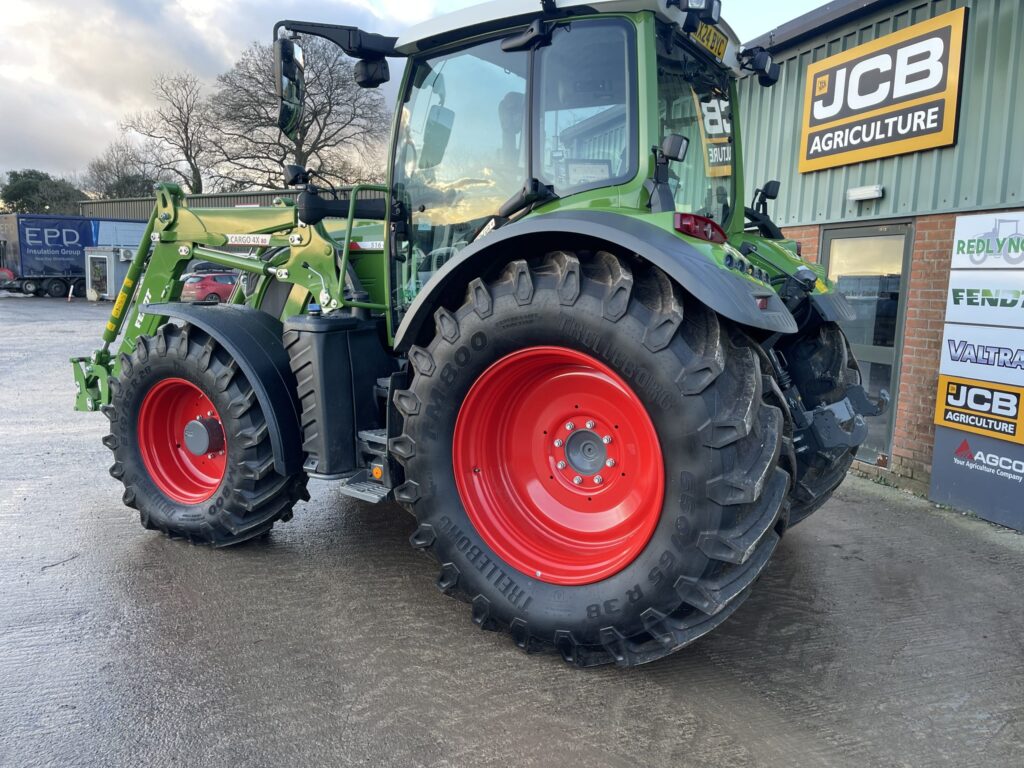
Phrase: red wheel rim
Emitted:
{"points": [[181, 475], [558, 465]]}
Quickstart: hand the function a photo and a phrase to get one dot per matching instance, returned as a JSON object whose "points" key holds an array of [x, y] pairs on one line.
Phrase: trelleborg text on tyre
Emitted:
{"points": [[591, 457]]}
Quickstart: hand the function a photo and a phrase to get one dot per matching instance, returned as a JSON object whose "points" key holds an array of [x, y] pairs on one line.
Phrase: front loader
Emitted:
{"points": [[603, 385]]}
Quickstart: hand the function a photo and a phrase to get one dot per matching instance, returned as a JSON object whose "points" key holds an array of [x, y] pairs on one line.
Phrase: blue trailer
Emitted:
{"points": [[45, 255]]}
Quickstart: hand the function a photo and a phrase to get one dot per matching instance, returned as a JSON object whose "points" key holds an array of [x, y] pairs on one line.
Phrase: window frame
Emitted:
{"points": [[535, 115], [886, 227]]}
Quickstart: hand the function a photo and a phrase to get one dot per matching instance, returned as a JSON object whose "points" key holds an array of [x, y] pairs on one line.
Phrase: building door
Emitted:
{"points": [[871, 265]]}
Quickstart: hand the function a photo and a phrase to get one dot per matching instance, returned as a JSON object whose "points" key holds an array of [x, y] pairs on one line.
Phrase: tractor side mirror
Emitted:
{"points": [[290, 82], [674, 147], [771, 189], [436, 135], [370, 73]]}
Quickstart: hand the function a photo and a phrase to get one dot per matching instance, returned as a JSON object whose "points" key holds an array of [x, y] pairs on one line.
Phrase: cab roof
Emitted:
{"points": [[503, 14]]}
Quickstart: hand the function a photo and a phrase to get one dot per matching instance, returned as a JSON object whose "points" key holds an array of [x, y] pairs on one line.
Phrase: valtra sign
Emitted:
{"points": [[899, 93]]}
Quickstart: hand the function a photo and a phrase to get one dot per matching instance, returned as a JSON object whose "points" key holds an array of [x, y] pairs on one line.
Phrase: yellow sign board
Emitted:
{"points": [[981, 407], [897, 94]]}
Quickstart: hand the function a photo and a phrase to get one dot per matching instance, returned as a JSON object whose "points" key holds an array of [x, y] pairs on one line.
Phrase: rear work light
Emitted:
{"points": [[698, 226]]}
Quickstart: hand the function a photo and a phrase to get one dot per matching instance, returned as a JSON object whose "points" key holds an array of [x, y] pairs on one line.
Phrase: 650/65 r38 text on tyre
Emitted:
{"points": [[590, 456], [191, 443]]}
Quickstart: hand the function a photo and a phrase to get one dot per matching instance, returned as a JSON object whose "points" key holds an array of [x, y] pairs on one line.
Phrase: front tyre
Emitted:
{"points": [[823, 369], [191, 444], [590, 459]]}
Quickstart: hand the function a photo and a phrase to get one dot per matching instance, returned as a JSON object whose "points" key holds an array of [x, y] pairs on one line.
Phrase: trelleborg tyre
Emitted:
{"points": [[822, 368], [561, 371], [191, 443]]}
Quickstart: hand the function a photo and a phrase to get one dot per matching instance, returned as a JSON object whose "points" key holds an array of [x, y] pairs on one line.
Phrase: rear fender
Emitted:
{"points": [[722, 290], [253, 339]]}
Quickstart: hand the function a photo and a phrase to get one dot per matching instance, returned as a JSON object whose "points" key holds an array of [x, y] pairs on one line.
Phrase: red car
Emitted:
{"points": [[208, 286]]}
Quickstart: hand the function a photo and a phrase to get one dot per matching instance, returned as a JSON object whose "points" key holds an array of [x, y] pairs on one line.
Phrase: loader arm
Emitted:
{"points": [[175, 235]]}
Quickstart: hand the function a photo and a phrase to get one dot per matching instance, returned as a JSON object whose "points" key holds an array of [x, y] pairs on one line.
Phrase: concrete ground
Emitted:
{"points": [[884, 633]]}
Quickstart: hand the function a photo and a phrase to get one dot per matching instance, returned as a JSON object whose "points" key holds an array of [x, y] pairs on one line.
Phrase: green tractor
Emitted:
{"points": [[602, 385]]}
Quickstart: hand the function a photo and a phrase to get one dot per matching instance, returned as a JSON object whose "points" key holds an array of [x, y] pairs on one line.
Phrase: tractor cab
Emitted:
{"points": [[513, 109]]}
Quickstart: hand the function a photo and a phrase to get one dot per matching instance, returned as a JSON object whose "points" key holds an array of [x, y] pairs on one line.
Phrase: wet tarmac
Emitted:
{"points": [[885, 632]]}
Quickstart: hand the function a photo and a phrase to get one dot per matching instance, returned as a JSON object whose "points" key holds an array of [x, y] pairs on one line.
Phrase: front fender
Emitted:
{"points": [[722, 290], [253, 339]]}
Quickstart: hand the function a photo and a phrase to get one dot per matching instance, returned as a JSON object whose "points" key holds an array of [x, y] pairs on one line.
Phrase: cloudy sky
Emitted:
{"points": [[71, 69]]}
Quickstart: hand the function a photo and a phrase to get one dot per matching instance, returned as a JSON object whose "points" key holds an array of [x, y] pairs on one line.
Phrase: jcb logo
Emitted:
{"points": [[983, 400], [980, 407], [896, 94], [895, 74]]}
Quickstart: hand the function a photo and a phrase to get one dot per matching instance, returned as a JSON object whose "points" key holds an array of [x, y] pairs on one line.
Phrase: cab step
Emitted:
{"points": [[361, 487], [373, 441]]}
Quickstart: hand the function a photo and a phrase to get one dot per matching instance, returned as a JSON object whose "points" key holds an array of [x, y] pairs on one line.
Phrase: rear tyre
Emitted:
{"points": [[822, 367], [191, 444], [667, 545], [56, 289], [215, 298], [31, 287]]}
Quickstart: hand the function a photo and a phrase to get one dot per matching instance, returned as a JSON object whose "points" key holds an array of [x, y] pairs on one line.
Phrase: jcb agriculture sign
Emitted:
{"points": [[899, 93]]}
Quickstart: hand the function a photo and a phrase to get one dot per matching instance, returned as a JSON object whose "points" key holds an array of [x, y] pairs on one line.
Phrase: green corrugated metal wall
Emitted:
{"points": [[985, 169]]}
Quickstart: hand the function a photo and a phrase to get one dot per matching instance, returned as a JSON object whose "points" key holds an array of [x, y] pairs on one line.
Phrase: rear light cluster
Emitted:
{"points": [[742, 265], [699, 226], [704, 228]]}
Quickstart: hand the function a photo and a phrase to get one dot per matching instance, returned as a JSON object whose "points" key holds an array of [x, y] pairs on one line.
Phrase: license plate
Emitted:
{"points": [[712, 39]]}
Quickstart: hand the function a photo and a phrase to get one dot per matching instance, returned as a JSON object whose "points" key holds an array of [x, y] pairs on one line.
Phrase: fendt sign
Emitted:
{"points": [[899, 93]]}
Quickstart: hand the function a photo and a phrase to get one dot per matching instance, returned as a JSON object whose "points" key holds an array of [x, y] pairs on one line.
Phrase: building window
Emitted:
{"points": [[870, 266]]}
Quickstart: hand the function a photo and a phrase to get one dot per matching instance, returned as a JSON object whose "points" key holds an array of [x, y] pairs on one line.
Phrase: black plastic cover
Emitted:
{"points": [[336, 360]]}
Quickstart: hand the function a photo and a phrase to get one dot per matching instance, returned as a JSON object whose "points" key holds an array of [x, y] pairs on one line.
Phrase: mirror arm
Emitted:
{"points": [[660, 199], [352, 40]]}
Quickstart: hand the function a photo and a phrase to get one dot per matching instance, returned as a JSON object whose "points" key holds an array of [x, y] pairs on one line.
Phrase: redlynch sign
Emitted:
{"points": [[899, 93]]}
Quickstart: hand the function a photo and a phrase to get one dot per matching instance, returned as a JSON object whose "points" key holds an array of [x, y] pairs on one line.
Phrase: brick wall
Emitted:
{"points": [[922, 344], [808, 238]]}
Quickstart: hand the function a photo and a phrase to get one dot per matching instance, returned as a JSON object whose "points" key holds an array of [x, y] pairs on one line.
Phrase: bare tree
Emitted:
{"points": [[342, 126], [123, 170], [178, 131]]}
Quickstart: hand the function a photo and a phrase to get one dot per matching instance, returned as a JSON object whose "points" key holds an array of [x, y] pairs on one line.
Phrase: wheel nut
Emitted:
{"points": [[558, 443], [606, 439], [577, 480], [598, 479], [569, 426], [591, 424], [610, 463], [561, 465]]}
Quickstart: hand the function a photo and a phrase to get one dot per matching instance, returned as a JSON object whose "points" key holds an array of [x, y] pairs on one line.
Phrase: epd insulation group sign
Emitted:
{"points": [[899, 93], [978, 460]]}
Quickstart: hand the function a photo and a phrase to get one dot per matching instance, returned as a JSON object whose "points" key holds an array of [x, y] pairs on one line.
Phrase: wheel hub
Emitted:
{"points": [[558, 465], [182, 442], [204, 436], [583, 454]]}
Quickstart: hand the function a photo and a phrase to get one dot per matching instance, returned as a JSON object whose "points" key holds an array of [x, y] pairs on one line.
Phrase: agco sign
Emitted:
{"points": [[896, 94]]}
